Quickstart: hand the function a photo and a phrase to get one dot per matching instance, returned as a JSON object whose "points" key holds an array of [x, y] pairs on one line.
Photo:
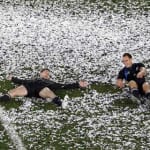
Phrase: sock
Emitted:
{"points": [[147, 95], [5, 97], [135, 92], [57, 101]]}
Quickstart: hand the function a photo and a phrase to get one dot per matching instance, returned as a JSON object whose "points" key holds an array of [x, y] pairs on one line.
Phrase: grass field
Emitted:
{"points": [[75, 40]]}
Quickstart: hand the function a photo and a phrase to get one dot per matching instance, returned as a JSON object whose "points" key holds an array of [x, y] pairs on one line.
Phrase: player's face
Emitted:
{"points": [[127, 61], [45, 74]]}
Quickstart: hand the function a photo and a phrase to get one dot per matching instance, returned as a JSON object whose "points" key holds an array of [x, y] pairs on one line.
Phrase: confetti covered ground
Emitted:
{"points": [[76, 40]]}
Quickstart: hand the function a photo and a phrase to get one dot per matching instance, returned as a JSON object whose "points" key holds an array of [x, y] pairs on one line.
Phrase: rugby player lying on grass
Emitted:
{"points": [[41, 87]]}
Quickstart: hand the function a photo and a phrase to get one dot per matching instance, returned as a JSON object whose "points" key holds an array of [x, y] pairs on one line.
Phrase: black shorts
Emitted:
{"points": [[140, 82], [33, 90]]}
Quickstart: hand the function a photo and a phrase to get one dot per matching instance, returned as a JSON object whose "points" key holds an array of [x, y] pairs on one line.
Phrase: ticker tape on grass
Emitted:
{"points": [[11, 130]]}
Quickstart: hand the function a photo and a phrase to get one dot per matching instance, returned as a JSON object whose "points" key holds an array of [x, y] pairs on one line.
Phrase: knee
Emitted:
{"points": [[47, 93], [132, 84], [44, 92], [46, 89], [146, 86]]}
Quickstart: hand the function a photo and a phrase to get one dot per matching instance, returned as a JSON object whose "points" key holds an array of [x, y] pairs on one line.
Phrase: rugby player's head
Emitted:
{"points": [[45, 73], [127, 59]]}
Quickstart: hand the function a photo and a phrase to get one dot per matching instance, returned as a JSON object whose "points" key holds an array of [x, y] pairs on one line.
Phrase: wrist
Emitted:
{"points": [[143, 72]]}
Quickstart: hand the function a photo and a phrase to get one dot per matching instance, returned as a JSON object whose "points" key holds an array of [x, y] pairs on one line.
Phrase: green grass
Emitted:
{"points": [[104, 88], [4, 140], [5, 85]]}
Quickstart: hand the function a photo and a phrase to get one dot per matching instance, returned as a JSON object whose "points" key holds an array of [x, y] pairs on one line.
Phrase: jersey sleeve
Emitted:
{"points": [[56, 86], [141, 65], [19, 81], [120, 75]]}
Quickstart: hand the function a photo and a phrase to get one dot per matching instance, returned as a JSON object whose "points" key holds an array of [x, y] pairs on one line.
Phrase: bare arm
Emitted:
{"points": [[142, 72], [55, 86], [17, 80]]}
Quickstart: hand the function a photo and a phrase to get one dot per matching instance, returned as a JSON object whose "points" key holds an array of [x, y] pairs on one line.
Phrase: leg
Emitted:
{"points": [[133, 85], [47, 93], [19, 91], [134, 88], [146, 89]]}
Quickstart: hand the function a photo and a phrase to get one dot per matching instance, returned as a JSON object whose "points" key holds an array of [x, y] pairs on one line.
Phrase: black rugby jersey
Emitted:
{"points": [[41, 83], [130, 73]]}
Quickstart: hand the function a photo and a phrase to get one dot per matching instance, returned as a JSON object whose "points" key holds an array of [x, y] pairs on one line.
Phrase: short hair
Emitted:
{"points": [[127, 54], [44, 70]]}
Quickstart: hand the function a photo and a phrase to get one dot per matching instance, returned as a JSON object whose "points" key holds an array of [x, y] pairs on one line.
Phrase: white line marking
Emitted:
{"points": [[11, 130]]}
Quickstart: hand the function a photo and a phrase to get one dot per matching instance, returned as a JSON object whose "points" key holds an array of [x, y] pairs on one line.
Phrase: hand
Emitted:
{"points": [[83, 84], [120, 83], [140, 74], [9, 77]]}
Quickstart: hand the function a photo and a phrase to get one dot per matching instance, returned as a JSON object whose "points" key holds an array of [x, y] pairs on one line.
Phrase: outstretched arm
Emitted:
{"points": [[17, 80], [80, 84]]}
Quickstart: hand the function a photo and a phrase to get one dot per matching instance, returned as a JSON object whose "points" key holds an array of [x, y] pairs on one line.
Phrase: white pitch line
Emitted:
{"points": [[11, 130]]}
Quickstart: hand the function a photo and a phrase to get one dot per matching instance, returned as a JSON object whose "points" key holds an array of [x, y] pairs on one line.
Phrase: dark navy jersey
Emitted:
{"points": [[130, 73], [36, 85], [40, 82]]}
